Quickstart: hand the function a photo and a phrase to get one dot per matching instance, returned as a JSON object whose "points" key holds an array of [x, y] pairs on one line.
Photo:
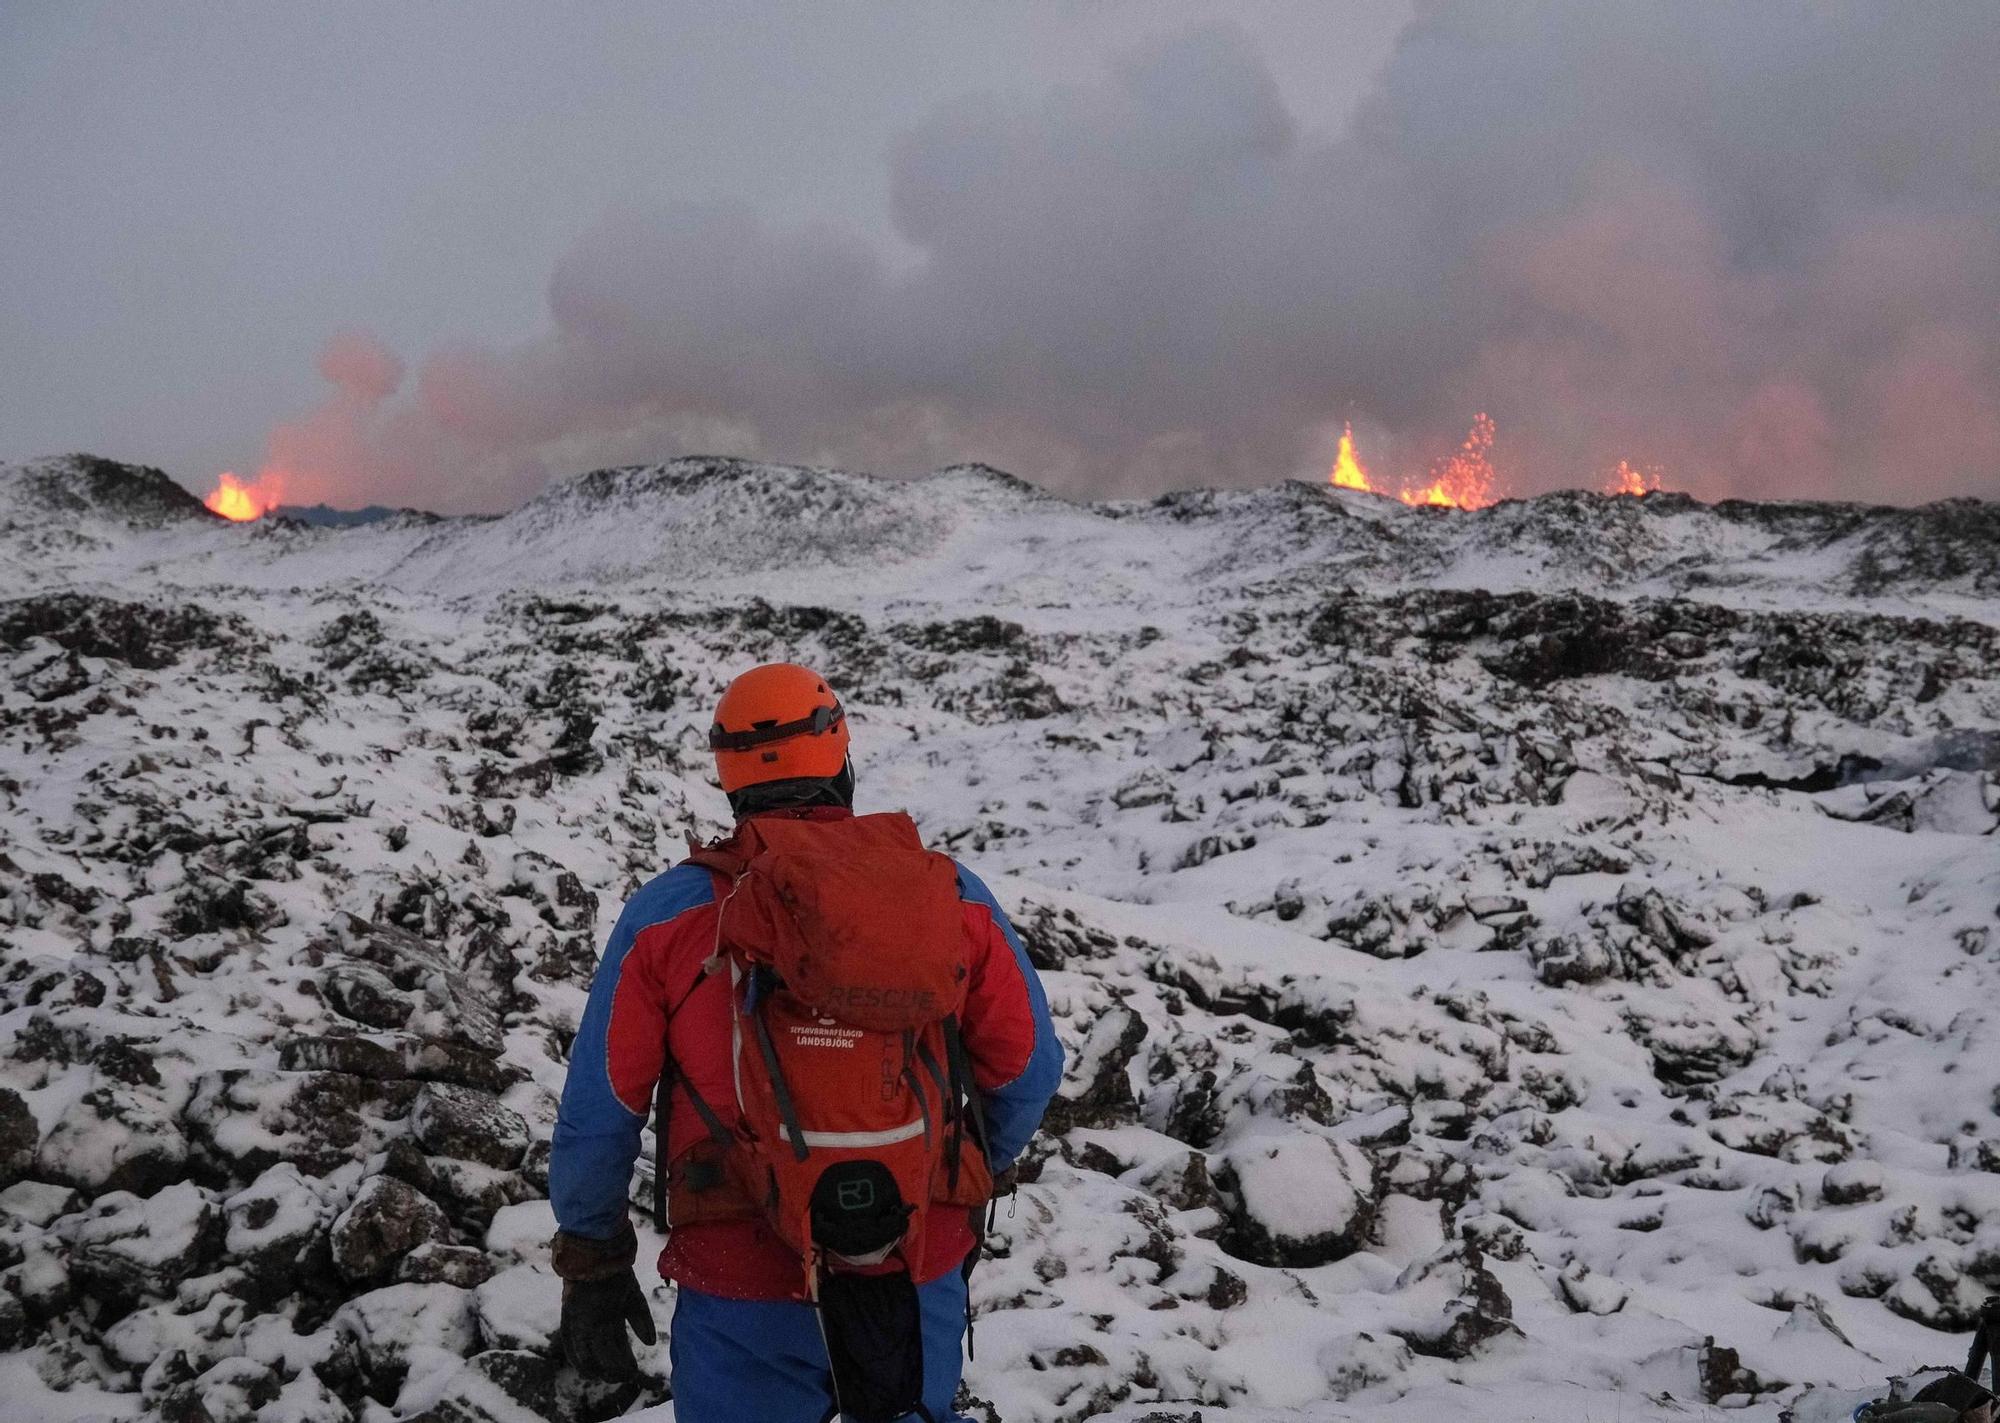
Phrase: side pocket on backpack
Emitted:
{"points": [[701, 1187], [874, 1342], [974, 1186]]}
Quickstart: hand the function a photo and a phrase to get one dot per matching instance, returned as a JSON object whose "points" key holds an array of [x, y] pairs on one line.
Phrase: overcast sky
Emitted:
{"points": [[440, 254]]}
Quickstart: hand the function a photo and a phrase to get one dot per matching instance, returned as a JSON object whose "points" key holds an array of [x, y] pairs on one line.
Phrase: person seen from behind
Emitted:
{"points": [[846, 1044]]}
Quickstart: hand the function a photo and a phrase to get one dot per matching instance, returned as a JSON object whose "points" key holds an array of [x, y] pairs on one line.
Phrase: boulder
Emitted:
{"points": [[1851, 1183], [471, 1125], [1721, 1374], [38, 1202], [19, 1134], [1193, 1113], [152, 1333], [535, 1165], [1476, 1309], [247, 1120], [113, 1142], [275, 1227], [1587, 1292], [496, 1386], [1937, 1294], [395, 1056], [408, 1333], [528, 1379], [231, 1390], [16, 1329], [1097, 1089], [211, 904], [471, 1193], [123, 1248], [1298, 1199], [453, 1007], [1182, 1182], [1572, 958], [367, 995], [307, 1399], [388, 1219], [520, 1234], [355, 1056], [41, 1283], [516, 1309], [433, 1263], [1354, 1362]]}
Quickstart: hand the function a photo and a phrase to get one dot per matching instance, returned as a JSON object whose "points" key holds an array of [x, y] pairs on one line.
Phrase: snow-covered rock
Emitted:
{"points": [[1546, 956], [387, 1219], [123, 1248]]}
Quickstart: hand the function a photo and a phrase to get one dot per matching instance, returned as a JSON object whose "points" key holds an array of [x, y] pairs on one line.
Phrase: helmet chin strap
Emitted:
{"points": [[796, 793]]}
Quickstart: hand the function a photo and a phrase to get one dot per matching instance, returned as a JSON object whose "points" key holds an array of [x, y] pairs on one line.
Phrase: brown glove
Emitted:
{"points": [[601, 1297]]}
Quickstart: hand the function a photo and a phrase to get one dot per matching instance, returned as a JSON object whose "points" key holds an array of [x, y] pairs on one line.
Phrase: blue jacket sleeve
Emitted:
{"points": [[1014, 1108], [597, 1136]]}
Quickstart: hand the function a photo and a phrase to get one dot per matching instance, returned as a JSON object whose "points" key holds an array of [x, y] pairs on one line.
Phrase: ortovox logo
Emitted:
{"points": [[856, 1195]]}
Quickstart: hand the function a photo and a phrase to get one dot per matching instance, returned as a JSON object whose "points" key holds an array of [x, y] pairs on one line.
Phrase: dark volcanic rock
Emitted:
{"points": [[398, 1057], [276, 1230], [389, 1327], [136, 634], [112, 1142], [1480, 1313], [18, 1137], [468, 1124], [1297, 1199], [208, 905], [388, 1219], [124, 1249], [461, 1265], [1568, 959], [495, 1387], [367, 995], [1098, 1090], [244, 1120], [471, 1193]]}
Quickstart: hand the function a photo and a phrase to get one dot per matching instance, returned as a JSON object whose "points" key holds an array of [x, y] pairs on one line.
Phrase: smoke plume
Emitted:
{"points": [[1754, 245]]}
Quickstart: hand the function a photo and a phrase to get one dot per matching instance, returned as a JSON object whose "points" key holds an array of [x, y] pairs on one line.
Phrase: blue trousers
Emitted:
{"points": [[749, 1361]]}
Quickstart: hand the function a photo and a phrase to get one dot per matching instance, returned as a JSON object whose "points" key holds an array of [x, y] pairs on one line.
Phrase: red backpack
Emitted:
{"points": [[845, 948]]}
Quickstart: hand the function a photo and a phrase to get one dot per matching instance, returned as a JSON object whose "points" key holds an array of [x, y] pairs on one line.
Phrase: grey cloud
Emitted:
{"points": [[1755, 245]]}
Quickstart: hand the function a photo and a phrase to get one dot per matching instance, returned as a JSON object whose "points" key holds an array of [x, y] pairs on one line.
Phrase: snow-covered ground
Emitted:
{"points": [[1542, 962]]}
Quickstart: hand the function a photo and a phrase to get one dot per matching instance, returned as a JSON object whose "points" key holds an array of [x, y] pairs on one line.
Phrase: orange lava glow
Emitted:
{"points": [[1627, 480], [1348, 472], [233, 499], [1466, 480]]}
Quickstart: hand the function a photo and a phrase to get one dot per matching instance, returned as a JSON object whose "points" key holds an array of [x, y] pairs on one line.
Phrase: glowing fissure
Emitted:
{"points": [[1466, 479], [233, 499], [1625, 479], [1347, 469]]}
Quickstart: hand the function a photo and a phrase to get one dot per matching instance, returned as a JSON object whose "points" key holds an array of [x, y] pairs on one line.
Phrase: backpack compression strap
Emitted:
{"points": [[669, 1075]]}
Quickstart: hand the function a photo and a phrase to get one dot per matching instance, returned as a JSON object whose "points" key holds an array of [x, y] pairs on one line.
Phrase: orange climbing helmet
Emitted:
{"points": [[778, 722]]}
